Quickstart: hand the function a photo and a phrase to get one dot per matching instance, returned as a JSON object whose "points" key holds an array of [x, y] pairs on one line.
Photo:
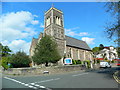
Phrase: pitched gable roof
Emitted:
{"points": [[34, 42], [69, 42], [76, 43]]}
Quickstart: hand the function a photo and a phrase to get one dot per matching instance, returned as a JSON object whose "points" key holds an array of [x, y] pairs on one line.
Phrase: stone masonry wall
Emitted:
{"points": [[40, 71]]}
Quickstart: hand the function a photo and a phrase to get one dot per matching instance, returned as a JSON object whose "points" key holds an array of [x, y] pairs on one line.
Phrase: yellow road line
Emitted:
{"points": [[116, 78]]}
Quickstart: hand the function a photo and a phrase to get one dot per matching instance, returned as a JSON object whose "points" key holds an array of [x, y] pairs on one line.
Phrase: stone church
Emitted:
{"points": [[67, 46]]}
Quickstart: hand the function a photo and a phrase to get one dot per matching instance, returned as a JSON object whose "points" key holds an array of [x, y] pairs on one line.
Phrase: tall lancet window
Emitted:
{"points": [[54, 19], [58, 20], [48, 21]]}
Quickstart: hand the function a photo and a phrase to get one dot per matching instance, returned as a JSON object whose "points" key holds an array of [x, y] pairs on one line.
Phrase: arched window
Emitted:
{"points": [[54, 18]]}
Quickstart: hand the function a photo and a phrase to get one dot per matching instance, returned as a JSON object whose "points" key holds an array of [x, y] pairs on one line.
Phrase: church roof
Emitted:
{"points": [[70, 41], [76, 43], [34, 42], [52, 8]]}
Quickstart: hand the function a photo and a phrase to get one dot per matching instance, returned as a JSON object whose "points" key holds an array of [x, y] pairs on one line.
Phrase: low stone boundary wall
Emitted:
{"points": [[40, 71], [96, 66]]}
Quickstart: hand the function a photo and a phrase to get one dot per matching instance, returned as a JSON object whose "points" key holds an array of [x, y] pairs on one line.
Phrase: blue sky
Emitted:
{"points": [[82, 20]]}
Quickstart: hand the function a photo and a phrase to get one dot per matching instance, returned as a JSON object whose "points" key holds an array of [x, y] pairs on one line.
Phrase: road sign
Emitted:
{"points": [[68, 61]]}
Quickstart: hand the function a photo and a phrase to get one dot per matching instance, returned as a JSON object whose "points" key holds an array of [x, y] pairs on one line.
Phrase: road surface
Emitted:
{"points": [[102, 78]]}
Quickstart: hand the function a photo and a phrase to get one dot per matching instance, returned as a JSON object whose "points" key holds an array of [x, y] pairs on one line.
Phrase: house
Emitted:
{"points": [[110, 53]]}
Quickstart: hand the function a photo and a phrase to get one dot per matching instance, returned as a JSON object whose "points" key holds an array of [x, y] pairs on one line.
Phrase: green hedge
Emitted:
{"points": [[98, 61], [112, 61], [73, 62], [76, 62], [88, 63]]}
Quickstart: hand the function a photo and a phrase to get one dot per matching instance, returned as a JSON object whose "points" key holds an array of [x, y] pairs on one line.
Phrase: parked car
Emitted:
{"points": [[105, 65], [118, 63]]}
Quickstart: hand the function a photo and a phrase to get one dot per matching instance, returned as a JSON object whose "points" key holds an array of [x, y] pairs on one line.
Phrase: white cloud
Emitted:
{"points": [[5, 42], [41, 25], [35, 15], [71, 32], [17, 45], [83, 34], [35, 22], [15, 27], [88, 40], [75, 28], [67, 30]]}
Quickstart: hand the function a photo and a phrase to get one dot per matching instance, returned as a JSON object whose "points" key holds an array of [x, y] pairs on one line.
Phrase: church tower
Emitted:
{"points": [[54, 26]]}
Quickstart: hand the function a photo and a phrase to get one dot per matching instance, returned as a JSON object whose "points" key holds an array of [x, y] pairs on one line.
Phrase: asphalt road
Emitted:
{"points": [[89, 79]]}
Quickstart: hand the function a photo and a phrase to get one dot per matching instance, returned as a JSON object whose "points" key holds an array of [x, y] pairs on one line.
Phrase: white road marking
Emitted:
{"points": [[25, 83], [79, 74], [32, 87], [42, 86], [36, 85], [32, 83], [45, 81], [39, 86]]}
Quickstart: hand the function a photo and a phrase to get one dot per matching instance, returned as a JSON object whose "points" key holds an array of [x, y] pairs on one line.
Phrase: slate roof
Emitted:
{"points": [[70, 41], [35, 40], [33, 43], [76, 43]]}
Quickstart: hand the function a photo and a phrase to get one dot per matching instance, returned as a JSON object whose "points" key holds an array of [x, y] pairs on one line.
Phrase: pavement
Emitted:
{"points": [[102, 78]]}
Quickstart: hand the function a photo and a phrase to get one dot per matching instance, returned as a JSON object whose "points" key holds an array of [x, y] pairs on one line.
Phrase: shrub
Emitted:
{"points": [[112, 61], [98, 61], [78, 62], [88, 63], [5, 66], [20, 59], [74, 61], [108, 61], [82, 62], [4, 62]]}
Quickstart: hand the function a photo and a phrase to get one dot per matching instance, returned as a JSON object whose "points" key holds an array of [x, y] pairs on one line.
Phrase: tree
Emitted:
{"points": [[101, 47], [46, 51], [95, 50], [4, 50], [4, 62], [4, 56], [20, 59], [118, 51], [113, 29]]}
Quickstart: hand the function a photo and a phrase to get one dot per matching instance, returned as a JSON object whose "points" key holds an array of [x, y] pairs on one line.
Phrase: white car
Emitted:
{"points": [[105, 65]]}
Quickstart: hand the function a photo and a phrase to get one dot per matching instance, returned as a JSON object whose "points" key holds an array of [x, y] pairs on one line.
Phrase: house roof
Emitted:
{"points": [[76, 43], [99, 58]]}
